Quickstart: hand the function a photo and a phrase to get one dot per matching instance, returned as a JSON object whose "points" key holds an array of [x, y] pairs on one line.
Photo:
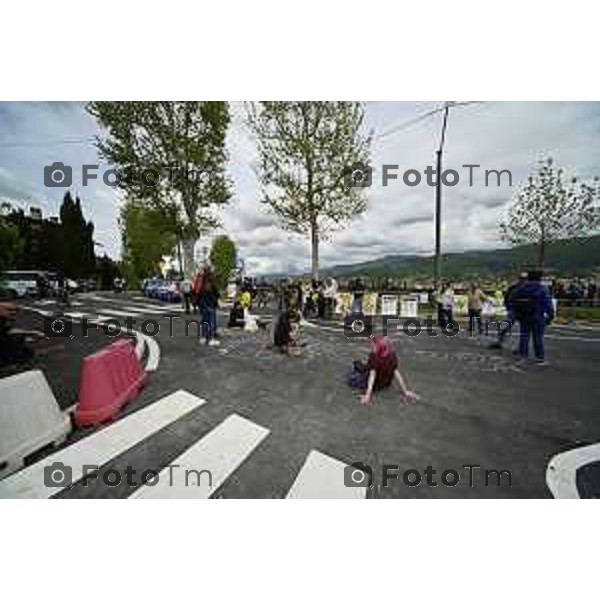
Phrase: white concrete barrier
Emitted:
{"points": [[30, 419]]}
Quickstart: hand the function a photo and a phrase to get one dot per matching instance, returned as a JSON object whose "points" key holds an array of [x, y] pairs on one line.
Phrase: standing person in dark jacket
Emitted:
{"points": [[510, 314], [208, 302], [532, 306]]}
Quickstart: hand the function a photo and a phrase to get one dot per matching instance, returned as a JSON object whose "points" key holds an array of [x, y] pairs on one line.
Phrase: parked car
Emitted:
{"points": [[169, 292], [20, 284], [152, 287]]}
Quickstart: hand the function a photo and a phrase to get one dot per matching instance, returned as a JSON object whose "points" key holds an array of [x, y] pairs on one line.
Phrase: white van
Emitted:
{"points": [[19, 283]]}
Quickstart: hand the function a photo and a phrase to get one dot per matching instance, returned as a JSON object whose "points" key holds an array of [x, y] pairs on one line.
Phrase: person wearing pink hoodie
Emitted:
{"points": [[380, 370]]}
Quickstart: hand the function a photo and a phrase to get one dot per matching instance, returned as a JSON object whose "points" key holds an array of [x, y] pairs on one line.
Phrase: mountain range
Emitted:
{"points": [[564, 258]]}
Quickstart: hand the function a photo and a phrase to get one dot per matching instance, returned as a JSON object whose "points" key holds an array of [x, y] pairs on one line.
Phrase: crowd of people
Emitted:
{"points": [[528, 304]]}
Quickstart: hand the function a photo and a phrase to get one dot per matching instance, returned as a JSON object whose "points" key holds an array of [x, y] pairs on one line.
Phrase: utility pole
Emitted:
{"points": [[438, 203]]}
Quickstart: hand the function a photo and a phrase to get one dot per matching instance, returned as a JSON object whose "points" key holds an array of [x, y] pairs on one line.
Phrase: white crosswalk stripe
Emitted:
{"points": [[202, 468], [79, 315], [100, 447], [166, 308], [116, 313], [323, 477]]}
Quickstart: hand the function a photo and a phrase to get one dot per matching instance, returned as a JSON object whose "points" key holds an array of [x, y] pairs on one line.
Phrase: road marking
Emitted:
{"points": [[572, 338], [576, 327], [118, 313], [216, 456], [561, 472], [137, 310], [102, 446], [162, 307], [76, 315], [151, 343], [153, 351], [101, 318], [323, 477]]}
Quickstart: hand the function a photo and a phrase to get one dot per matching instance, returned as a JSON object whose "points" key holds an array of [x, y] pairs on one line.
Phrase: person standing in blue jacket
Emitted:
{"points": [[533, 309]]}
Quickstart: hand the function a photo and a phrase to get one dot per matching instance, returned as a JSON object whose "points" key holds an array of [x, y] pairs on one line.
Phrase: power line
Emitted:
{"points": [[35, 143], [422, 117]]}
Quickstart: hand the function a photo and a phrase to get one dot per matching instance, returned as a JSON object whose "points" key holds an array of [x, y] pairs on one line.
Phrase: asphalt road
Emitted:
{"points": [[476, 406]]}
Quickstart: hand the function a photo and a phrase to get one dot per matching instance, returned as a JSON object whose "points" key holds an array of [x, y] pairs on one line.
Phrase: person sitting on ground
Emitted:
{"points": [[379, 371], [236, 315], [285, 333]]}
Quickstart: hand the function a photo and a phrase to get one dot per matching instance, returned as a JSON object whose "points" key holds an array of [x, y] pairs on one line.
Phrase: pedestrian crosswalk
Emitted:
{"points": [[196, 473]]}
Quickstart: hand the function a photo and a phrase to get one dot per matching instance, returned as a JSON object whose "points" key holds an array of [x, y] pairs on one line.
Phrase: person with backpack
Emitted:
{"points": [[510, 320], [533, 309], [197, 284]]}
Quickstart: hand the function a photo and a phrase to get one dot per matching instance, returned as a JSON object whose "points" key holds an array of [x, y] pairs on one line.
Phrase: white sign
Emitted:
{"points": [[409, 308], [389, 305]]}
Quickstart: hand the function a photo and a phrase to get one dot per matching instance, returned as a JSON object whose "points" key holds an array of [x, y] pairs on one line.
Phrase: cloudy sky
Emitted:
{"points": [[399, 219]]}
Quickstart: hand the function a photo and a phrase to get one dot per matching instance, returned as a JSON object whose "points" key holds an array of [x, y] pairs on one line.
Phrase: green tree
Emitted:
{"points": [[11, 244], [223, 258], [307, 151], [147, 233], [171, 155], [548, 208], [77, 239], [107, 271]]}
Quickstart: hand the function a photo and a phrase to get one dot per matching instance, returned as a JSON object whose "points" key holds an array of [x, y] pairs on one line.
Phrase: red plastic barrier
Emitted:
{"points": [[110, 379]]}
